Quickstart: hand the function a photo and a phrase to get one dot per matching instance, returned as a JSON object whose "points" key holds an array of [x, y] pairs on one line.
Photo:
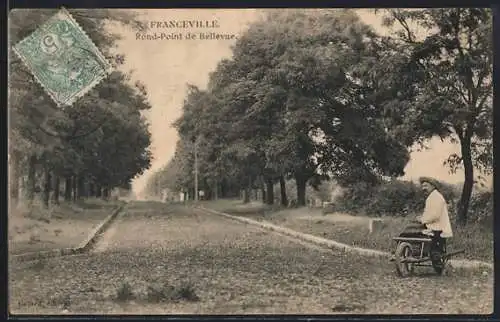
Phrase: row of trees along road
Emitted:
{"points": [[318, 94], [85, 147]]}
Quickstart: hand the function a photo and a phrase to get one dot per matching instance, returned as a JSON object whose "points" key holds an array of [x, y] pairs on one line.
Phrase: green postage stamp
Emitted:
{"points": [[63, 59]]}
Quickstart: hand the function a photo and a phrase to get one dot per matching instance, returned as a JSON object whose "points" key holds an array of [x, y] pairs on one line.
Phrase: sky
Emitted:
{"points": [[166, 66]]}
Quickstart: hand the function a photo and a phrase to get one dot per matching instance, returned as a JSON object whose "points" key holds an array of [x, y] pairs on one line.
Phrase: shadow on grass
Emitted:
{"points": [[90, 204], [169, 293], [124, 293], [185, 291], [253, 209]]}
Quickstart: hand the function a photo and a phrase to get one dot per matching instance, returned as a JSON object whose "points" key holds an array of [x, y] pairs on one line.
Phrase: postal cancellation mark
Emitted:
{"points": [[63, 59]]}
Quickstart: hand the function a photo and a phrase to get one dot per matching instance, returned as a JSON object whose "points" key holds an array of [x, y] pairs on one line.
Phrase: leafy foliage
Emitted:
{"points": [[402, 198], [395, 198], [451, 67], [292, 103], [314, 95], [88, 142], [481, 208]]}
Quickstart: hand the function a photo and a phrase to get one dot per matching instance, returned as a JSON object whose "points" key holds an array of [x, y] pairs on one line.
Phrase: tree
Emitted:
{"points": [[452, 65], [77, 141], [295, 101], [326, 118], [216, 122]]}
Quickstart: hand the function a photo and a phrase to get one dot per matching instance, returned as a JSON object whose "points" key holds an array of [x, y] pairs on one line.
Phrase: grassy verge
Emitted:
{"points": [[62, 226], [475, 239], [164, 259]]}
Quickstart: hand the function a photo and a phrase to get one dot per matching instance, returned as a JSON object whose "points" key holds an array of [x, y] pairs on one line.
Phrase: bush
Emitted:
{"points": [[400, 198], [185, 291], [481, 208], [355, 199], [124, 292], [396, 198], [157, 294]]}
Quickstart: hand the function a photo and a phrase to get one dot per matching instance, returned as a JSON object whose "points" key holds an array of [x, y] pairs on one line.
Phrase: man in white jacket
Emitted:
{"points": [[435, 216]]}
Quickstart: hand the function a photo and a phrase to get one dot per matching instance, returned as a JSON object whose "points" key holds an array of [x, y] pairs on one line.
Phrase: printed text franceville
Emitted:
{"points": [[184, 24]]}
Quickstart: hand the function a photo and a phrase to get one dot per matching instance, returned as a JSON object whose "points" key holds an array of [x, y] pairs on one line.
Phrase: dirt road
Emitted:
{"points": [[230, 268]]}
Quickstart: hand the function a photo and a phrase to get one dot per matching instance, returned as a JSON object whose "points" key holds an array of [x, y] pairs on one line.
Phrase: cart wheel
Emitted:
{"points": [[403, 251]]}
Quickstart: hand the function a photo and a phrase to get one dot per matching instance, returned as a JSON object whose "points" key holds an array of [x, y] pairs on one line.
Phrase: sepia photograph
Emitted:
{"points": [[250, 161]]}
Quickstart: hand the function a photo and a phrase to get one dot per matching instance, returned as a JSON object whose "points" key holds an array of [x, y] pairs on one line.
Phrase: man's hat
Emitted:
{"points": [[435, 183]]}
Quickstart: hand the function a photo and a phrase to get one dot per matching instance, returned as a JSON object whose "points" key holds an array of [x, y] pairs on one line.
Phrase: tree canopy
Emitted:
{"points": [[451, 67], [289, 104], [87, 144], [312, 95]]}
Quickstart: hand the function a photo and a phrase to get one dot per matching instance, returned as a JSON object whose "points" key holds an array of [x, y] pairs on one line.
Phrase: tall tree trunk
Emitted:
{"points": [[263, 190], [67, 188], [223, 190], [13, 181], [80, 187], [55, 195], [284, 199], [98, 191], [301, 190], [270, 191], [463, 204], [105, 193], [30, 186], [74, 188], [192, 193], [91, 189], [246, 196], [86, 187], [216, 190], [46, 187], [246, 192]]}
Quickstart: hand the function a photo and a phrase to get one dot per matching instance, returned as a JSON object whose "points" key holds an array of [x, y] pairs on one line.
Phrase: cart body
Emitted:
{"points": [[430, 251]]}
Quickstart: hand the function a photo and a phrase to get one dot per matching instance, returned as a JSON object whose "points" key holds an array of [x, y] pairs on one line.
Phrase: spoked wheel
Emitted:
{"points": [[403, 253]]}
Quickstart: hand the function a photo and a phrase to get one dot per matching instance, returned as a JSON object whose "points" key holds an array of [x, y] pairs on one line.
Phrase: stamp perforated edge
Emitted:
{"points": [[30, 68], [86, 89], [107, 70]]}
